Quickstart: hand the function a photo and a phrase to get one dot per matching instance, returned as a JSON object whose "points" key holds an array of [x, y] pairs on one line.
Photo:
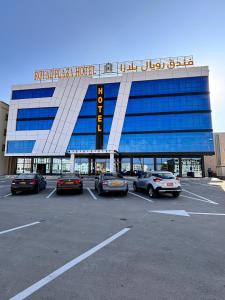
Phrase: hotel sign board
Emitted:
{"points": [[114, 68], [99, 116]]}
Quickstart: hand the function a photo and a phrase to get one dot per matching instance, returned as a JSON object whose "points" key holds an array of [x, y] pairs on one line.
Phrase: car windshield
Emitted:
{"points": [[164, 175], [26, 176]]}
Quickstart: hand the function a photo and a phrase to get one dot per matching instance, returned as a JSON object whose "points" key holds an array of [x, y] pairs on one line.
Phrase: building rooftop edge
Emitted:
{"points": [[113, 78]]}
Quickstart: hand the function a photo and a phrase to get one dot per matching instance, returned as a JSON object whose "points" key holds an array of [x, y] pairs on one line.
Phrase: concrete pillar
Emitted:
{"points": [[72, 163], [111, 162]]}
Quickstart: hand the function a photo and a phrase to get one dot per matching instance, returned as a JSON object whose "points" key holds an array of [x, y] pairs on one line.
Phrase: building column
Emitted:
{"points": [[72, 163], [180, 166], [111, 162], [89, 165], [203, 167]]}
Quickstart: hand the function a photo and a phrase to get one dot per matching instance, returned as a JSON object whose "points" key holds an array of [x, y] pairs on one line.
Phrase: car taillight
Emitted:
{"points": [[33, 181], [105, 182], [157, 179], [76, 181], [14, 182], [60, 182]]}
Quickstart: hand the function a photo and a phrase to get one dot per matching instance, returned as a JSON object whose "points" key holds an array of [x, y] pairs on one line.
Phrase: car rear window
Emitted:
{"points": [[26, 176], [74, 176], [164, 175], [111, 176]]}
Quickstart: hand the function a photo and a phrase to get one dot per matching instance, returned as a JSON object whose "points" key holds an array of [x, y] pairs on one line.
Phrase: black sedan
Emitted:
{"points": [[69, 182], [28, 182]]}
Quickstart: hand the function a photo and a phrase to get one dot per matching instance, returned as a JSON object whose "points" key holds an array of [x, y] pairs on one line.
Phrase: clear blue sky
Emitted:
{"points": [[38, 34]]}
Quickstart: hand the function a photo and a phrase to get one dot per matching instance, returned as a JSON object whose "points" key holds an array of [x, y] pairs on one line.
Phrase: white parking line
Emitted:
{"points": [[7, 195], [36, 286], [52, 192], [16, 228], [141, 197], [205, 199], [92, 194]]}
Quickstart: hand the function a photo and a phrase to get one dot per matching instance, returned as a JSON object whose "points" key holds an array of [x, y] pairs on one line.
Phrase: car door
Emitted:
{"points": [[141, 181]]}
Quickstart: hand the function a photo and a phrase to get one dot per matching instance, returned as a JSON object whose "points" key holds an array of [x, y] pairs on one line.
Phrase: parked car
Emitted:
{"points": [[28, 182], [69, 182], [110, 182], [156, 182]]}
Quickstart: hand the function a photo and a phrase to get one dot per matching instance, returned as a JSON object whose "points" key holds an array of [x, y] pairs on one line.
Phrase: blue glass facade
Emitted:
{"points": [[84, 133], [168, 116], [20, 146], [32, 93], [35, 118], [42, 112], [167, 142]]}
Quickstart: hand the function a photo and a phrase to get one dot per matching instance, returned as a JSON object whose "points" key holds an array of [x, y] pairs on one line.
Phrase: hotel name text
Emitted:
{"points": [[114, 68]]}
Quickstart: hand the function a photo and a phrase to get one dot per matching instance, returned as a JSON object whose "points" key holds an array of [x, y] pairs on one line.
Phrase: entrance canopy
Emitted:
{"points": [[95, 153]]}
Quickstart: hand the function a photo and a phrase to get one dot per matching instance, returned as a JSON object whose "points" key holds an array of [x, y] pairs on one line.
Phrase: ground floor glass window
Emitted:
{"points": [[168, 164], [191, 167]]}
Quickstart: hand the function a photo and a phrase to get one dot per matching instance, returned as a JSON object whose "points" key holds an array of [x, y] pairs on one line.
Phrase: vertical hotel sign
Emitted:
{"points": [[99, 116]]}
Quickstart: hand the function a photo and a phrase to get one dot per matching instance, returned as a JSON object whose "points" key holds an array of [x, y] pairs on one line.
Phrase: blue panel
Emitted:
{"points": [[33, 93], [167, 104], [34, 125], [20, 146], [167, 142], [110, 90], [169, 86], [89, 108], [167, 122], [85, 142], [42, 112], [88, 125]]}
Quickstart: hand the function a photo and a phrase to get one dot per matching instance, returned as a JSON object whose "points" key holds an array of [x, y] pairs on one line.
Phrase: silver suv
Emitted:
{"points": [[158, 182]]}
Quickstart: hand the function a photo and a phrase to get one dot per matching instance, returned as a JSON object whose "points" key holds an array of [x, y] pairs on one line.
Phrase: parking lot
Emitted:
{"points": [[85, 246]]}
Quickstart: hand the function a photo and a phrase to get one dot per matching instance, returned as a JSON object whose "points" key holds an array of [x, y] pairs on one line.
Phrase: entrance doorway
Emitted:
{"points": [[41, 169], [101, 165]]}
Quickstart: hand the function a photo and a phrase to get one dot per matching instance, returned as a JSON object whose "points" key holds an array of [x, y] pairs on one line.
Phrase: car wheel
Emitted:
{"points": [[58, 192], [151, 192], [37, 189], [176, 194], [99, 191], [125, 193], [135, 187]]}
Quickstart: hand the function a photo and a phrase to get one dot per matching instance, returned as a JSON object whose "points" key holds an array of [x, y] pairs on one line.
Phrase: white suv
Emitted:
{"points": [[158, 182]]}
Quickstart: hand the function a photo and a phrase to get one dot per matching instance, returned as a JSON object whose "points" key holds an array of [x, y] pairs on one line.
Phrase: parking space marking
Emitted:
{"points": [[7, 195], [141, 197], [205, 199], [92, 194], [52, 192], [189, 197], [38, 285], [19, 227]]}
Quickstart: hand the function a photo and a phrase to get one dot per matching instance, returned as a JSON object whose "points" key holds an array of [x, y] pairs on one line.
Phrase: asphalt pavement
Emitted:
{"points": [[113, 247]]}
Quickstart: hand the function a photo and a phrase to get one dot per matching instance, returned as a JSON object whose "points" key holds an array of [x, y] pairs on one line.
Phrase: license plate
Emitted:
{"points": [[22, 182], [69, 182], [170, 184], [116, 183]]}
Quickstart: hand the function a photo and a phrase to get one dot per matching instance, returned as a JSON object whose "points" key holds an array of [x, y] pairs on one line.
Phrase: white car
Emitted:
{"points": [[156, 182]]}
